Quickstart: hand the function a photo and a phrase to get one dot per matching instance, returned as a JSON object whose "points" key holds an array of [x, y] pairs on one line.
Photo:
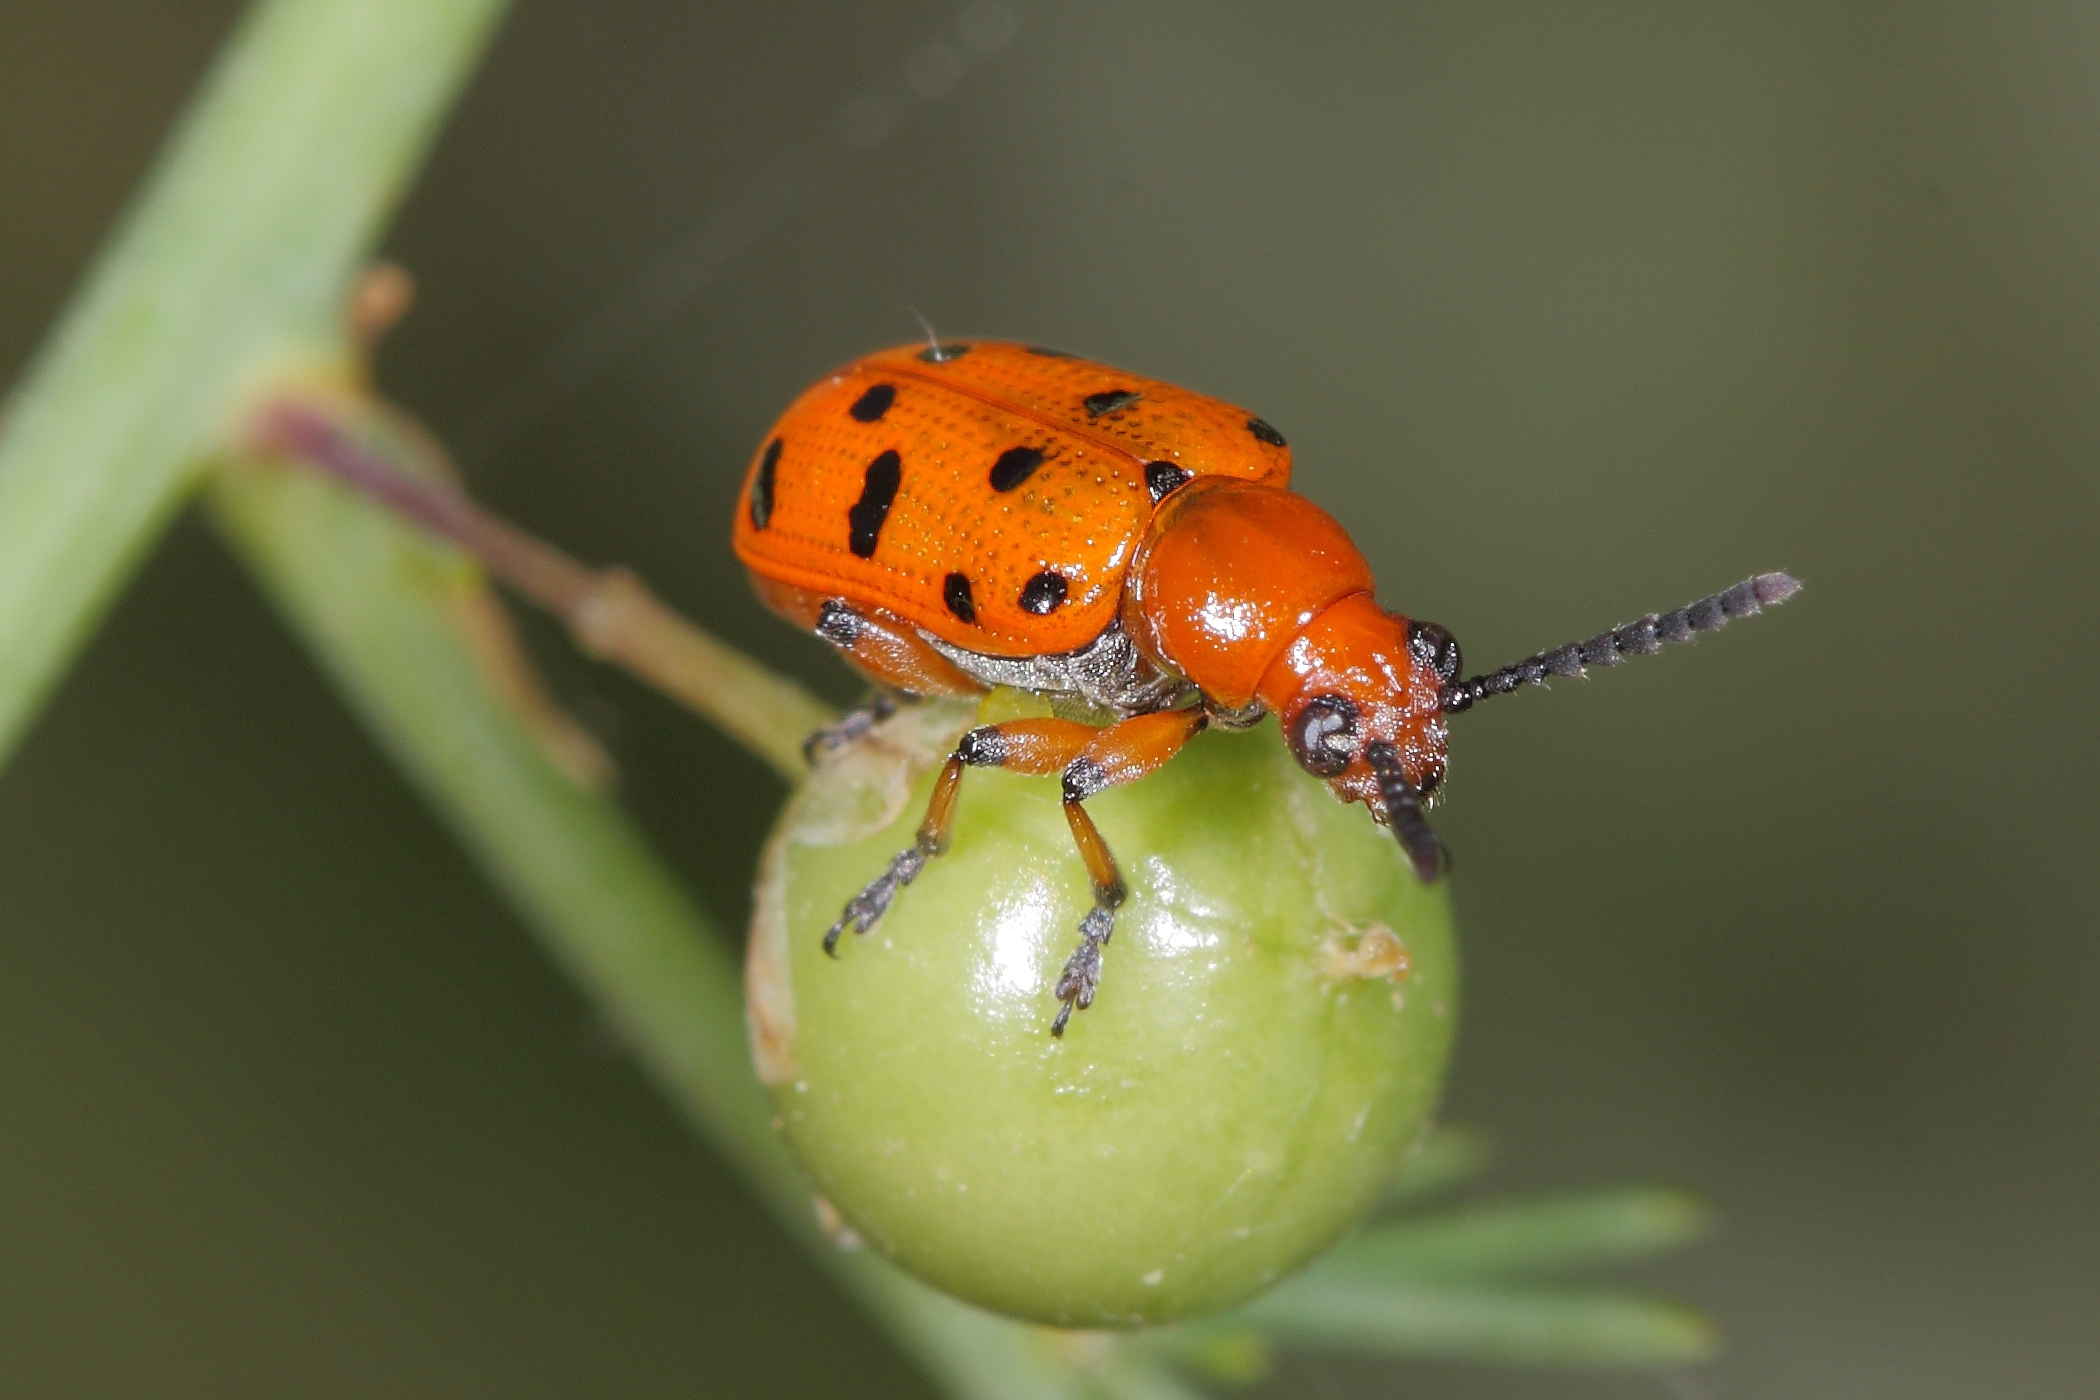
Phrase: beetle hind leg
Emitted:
{"points": [[840, 734]]}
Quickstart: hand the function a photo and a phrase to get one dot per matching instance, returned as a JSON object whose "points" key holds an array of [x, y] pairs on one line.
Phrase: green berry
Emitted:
{"points": [[1267, 1047]]}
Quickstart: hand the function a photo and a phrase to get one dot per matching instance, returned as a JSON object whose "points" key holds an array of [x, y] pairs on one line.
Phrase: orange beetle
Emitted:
{"points": [[957, 516]]}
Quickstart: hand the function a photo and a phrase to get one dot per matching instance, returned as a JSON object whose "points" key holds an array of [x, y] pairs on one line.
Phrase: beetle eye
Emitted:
{"points": [[1323, 736], [1432, 646]]}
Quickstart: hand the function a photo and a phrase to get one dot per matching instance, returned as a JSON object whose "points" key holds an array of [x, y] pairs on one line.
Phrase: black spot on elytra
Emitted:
{"points": [[1047, 353], [762, 486], [955, 592], [1162, 477], [1263, 432], [1109, 400], [870, 407], [1015, 465], [877, 490], [941, 354], [1041, 594]]}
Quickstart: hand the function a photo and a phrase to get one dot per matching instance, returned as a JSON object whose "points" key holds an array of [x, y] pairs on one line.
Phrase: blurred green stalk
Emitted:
{"points": [[231, 264]]}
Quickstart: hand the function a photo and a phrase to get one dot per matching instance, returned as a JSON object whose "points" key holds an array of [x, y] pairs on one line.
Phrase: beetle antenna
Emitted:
{"points": [[1403, 812], [1710, 614]]}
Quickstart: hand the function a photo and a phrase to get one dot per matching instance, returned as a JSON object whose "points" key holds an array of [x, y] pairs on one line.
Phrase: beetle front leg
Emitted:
{"points": [[1121, 753]]}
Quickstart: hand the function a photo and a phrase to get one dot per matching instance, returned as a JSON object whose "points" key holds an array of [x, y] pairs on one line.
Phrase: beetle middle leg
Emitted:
{"points": [[1091, 760], [1037, 746]]}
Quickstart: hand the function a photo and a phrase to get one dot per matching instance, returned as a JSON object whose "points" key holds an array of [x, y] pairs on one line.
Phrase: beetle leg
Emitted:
{"points": [[889, 651], [877, 643], [878, 705], [1091, 761], [1033, 746], [1121, 753]]}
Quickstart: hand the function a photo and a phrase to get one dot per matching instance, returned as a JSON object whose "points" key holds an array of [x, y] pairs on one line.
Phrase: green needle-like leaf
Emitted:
{"points": [[1324, 1310], [1453, 1156], [1130, 1378], [1437, 1286], [1506, 1239]]}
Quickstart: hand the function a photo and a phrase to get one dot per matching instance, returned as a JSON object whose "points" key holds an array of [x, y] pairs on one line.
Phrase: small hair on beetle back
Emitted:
{"points": [[1710, 614]]}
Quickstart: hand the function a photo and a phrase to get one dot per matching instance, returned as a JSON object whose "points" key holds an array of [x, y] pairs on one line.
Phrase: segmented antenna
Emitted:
{"points": [[1403, 812], [1710, 614]]}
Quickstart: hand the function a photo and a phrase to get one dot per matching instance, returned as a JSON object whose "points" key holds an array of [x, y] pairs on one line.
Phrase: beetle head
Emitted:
{"points": [[1357, 693], [1363, 695]]}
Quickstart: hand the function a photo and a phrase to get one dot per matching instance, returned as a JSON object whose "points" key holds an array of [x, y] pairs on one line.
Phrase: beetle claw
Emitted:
{"points": [[1081, 978], [875, 898]]}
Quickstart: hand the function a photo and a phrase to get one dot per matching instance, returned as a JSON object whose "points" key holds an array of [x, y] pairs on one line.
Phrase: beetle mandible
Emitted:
{"points": [[953, 517]]}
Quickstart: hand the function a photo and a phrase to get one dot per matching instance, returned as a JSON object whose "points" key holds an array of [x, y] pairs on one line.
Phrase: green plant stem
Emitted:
{"points": [[232, 263], [376, 601]]}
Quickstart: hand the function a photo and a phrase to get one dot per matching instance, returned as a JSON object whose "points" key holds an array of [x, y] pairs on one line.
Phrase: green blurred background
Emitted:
{"points": [[1569, 311]]}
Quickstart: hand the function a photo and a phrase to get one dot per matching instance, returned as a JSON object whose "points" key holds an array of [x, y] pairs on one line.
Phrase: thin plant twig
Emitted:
{"points": [[610, 612]]}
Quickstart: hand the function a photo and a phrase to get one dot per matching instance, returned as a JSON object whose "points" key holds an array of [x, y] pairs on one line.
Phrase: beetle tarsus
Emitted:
{"points": [[1081, 978], [874, 900], [840, 733]]}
